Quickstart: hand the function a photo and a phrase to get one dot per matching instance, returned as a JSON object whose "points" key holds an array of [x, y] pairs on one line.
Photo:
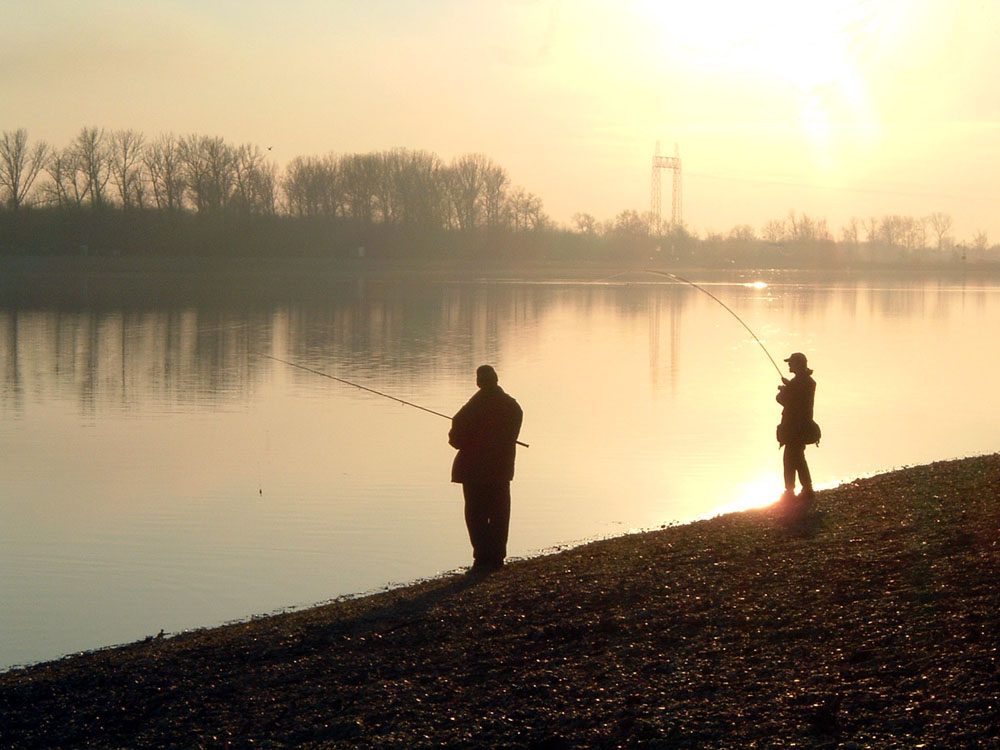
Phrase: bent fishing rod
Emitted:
{"points": [[760, 343], [365, 388]]}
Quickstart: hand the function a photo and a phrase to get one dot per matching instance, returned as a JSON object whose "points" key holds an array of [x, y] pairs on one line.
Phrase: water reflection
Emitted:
{"points": [[121, 360], [117, 359], [199, 356]]}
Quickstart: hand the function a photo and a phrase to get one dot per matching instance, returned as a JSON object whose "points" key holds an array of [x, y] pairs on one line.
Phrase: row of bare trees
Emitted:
{"points": [[119, 168], [411, 188], [207, 175], [908, 234]]}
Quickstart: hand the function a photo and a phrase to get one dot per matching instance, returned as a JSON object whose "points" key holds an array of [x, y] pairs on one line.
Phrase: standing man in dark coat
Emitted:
{"points": [[797, 428], [485, 433]]}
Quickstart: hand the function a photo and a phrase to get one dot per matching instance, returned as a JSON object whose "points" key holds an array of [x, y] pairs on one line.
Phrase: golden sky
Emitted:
{"points": [[831, 108]]}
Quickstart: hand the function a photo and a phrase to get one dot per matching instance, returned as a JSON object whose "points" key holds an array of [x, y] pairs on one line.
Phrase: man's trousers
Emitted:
{"points": [[487, 517]]}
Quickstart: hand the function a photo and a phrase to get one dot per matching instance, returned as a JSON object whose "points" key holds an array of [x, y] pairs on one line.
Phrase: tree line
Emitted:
{"points": [[207, 175], [118, 192]]}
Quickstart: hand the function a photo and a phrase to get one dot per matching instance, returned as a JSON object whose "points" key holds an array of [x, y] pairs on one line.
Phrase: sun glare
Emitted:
{"points": [[809, 51], [756, 494], [808, 45]]}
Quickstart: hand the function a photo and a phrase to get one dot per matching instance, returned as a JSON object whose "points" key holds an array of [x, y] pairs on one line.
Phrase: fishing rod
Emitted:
{"points": [[760, 343], [365, 388]]}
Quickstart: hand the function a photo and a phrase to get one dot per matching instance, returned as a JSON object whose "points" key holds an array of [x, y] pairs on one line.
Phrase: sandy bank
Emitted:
{"points": [[871, 621]]}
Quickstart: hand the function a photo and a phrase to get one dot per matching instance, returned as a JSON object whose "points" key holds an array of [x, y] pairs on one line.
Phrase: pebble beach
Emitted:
{"points": [[867, 620]]}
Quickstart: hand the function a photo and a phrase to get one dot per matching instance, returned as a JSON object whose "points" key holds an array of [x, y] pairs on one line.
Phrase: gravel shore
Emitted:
{"points": [[870, 620]]}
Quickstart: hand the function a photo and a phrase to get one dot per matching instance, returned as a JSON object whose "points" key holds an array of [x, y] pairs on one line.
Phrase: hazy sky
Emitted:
{"points": [[831, 108]]}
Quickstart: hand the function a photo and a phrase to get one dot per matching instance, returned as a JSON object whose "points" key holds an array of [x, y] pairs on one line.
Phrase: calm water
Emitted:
{"points": [[158, 474]]}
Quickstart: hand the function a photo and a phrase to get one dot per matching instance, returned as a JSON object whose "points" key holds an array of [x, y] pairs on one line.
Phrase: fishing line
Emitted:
{"points": [[728, 309], [365, 388]]}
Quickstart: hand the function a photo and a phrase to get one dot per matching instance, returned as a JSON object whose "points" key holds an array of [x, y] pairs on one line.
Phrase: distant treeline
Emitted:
{"points": [[117, 193]]}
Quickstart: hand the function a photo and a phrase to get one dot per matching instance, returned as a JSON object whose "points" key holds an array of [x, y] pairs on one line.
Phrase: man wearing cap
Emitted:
{"points": [[485, 433], [797, 428]]}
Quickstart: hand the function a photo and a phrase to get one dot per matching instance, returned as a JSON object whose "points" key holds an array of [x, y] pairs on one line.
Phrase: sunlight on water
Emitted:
{"points": [[755, 494]]}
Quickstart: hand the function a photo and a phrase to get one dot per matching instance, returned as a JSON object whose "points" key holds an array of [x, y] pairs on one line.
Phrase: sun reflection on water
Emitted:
{"points": [[759, 493]]}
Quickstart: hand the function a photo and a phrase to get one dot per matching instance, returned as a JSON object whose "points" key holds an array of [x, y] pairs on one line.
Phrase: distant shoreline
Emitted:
{"points": [[869, 621], [442, 267], [134, 282]]}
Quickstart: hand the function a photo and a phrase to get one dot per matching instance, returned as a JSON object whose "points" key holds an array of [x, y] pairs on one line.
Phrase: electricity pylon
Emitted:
{"points": [[655, 208]]}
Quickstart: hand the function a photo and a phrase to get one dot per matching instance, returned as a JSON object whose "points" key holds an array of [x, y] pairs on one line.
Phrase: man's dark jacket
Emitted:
{"points": [[485, 432], [797, 398]]}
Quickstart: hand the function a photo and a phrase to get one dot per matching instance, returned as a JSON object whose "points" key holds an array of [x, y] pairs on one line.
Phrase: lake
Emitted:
{"points": [[159, 473]]}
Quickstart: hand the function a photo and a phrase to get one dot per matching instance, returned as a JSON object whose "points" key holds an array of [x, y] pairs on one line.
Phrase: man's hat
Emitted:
{"points": [[797, 357]]}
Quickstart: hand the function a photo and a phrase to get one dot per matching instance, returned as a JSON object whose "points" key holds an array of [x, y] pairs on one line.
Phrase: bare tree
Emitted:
{"points": [[418, 189], [255, 181], [913, 233], [68, 184], [265, 188], [296, 183], [407, 187], [93, 156], [162, 159], [465, 184], [495, 184], [127, 149], [630, 224], [806, 229], [195, 170], [209, 171], [585, 223], [890, 231], [526, 210], [941, 225], [980, 242], [774, 231], [851, 232], [870, 226], [55, 191], [388, 185], [220, 160], [742, 233], [360, 174], [19, 166], [312, 186]]}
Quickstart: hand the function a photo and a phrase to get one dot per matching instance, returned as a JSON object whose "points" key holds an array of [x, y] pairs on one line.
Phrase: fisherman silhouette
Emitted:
{"points": [[797, 428], [485, 433]]}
